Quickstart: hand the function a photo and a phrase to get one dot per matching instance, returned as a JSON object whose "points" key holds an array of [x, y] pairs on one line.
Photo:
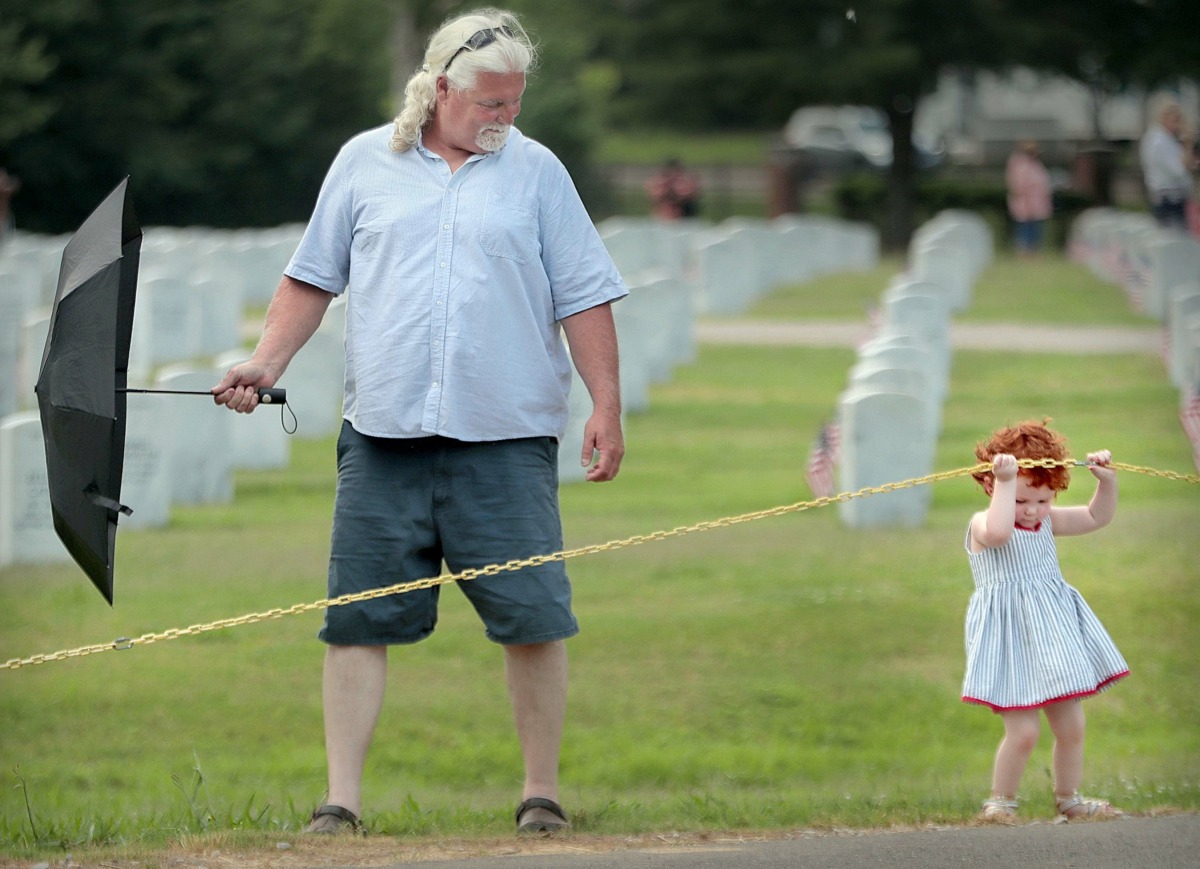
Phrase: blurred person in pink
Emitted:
{"points": [[1029, 197]]}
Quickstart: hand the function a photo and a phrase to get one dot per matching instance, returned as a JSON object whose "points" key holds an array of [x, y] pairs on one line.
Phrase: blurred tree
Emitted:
{"points": [[226, 112], [566, 96], [1105, 46], [23, 64], [888, 54], [750, 63], [229, 111], [1171, 51], [704, 64]]}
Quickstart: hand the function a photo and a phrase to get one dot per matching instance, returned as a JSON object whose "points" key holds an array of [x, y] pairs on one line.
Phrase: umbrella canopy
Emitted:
{"points": [[80, 387]]}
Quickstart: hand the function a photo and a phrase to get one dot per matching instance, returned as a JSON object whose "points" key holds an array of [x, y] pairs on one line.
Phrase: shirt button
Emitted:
{"points": [[443, 265]]}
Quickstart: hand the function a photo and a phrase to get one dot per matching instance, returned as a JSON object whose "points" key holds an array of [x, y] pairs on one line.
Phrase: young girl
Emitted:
{"points": [[1033, 645]]}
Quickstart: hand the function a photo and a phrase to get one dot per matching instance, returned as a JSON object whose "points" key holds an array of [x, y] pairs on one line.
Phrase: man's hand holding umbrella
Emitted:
{"points": [[293, 316], [239, 390]]}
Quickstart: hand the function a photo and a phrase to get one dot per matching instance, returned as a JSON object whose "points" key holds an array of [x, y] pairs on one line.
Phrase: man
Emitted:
{"points": [[465, 248], [1167, 164], [674, 192]]}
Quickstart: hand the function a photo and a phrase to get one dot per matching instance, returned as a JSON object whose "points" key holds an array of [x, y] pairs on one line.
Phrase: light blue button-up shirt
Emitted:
{"points": [[456, 285]]}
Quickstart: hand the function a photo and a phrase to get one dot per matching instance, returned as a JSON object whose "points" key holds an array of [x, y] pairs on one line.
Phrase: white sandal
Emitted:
{"points": [[1092, 809], [998, 810]]}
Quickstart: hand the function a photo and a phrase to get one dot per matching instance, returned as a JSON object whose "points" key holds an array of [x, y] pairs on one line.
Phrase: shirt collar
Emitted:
{"points": [[432, 156]]}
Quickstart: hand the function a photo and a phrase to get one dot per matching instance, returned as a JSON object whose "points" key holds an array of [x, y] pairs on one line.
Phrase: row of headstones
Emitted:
{"points": [[179, 449], [730, 265], [678, 271], [890, 414], [194, 287], [1159, 270], [193, 290]]}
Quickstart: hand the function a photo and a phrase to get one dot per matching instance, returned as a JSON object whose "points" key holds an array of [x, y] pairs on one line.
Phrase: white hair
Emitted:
{"points": [[510, 52]]}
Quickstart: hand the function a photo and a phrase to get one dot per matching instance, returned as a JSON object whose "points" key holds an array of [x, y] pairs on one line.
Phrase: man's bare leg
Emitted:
{"points": [[354, 681], [537, 688]]}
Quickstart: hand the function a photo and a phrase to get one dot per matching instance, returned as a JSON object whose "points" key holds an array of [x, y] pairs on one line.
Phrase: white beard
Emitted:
{"points": [[492, 138]]}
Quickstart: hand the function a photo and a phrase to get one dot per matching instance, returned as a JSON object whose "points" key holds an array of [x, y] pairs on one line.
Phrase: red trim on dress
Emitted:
{"points": [[1103, 685]]}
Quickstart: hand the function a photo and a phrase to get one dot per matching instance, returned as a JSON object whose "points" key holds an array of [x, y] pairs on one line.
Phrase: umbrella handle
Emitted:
{"points": [[273, 395]]}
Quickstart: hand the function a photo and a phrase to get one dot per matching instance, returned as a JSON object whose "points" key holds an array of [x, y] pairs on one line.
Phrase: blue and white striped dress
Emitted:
{"points": [[1031, 637]]}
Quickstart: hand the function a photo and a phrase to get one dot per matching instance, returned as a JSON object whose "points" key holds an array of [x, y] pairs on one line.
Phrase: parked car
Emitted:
{"points": [[841, 138]]}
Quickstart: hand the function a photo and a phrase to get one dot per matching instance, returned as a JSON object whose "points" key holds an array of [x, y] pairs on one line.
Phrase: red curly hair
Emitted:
{"points": [[1027, 440]]}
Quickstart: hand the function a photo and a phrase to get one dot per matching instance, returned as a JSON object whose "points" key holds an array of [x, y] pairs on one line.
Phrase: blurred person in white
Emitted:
{"points": [[1167, 162]]}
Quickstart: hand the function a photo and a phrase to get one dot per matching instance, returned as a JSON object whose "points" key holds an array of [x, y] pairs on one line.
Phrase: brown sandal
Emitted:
{"points": [[530, 826], [330, 820]]}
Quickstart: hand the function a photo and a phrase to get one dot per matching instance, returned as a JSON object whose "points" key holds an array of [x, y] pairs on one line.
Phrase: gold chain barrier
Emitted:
{"points": [[125, 643]]}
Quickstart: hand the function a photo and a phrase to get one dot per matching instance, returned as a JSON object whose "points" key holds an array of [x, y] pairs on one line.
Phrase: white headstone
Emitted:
{"points": [[167, 313], [315, 380], [727, 277], [1191, 373], [799, 257], [219, 303], [200, 464], [34, 330], [945, 264], [634, 249], [26, 523], [1183, 304], [885, 438], [666, 338], [635, 336], [1175, 260], [145, 479], [15, 302], [257, 441], [570, 470]]}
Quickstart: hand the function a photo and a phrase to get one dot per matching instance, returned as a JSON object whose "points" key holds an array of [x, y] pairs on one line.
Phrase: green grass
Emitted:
{"points": [[787, 672], [1053, 290]]}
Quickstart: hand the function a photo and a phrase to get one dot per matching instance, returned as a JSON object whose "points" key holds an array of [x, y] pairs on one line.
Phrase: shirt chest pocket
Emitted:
{"points": [[510, 228]]}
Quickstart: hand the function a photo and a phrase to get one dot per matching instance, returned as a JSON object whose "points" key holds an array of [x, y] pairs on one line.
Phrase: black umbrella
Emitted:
{"points": [[81, 387]]}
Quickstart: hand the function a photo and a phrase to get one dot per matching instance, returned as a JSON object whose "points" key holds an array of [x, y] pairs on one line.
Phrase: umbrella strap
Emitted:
{"points": [[108, 503]]}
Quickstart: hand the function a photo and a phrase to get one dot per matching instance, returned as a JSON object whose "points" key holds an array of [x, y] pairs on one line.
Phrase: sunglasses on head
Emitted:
{"points": [[479, 40]]}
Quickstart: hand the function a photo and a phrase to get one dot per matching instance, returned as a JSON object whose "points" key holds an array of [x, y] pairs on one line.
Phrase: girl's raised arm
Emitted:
{"points": [[1100, 510], [994, 526]]}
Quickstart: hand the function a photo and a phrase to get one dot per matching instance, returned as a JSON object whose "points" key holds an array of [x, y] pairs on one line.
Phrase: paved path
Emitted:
{"points": [[974, 336], [1171, 842]]}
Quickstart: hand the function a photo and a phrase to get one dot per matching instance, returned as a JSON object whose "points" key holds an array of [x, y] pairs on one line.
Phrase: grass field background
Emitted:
{"points": [[786, 672]]}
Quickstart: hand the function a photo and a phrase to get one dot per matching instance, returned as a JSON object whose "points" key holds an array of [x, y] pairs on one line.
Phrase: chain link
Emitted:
{"points": [[125, 643]]}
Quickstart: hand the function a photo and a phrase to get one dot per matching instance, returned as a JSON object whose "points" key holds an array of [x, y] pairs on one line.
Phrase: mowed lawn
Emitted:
{"points": [[782, 672]]}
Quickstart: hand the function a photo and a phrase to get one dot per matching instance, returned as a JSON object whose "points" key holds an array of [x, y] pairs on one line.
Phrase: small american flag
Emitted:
{"points": [[1189, 416], [822, 460]]}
